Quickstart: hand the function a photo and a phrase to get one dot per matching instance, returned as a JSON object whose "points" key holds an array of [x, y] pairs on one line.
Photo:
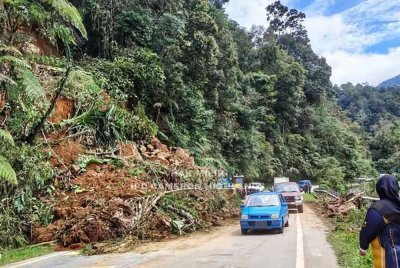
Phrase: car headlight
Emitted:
{"points": [[298, 197], [274, 216], [244, 217]]}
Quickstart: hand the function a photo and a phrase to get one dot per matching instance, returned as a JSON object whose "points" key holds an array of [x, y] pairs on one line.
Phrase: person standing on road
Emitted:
{"points": [[382, 225], [307, 188]]}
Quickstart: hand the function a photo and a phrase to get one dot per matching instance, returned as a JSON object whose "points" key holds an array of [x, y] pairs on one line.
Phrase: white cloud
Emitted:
{"points": [[319, 6], [342, 38], [328, 34], [248, 12], [375, 17], [360, 68]]}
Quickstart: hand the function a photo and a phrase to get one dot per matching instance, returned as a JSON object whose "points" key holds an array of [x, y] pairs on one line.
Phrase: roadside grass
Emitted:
{"points": [[345, 245], [20, 254], [310, 198], [345, 240]]}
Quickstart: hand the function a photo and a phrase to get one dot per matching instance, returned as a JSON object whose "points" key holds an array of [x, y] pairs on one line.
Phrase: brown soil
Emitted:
{"points": [[64, 109], [87, 212], [320, 210], [42, 45], [104, 202], [65, 153]]}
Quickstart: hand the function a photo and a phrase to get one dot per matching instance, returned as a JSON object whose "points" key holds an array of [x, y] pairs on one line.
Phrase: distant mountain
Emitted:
{"points": [[392, 82]]}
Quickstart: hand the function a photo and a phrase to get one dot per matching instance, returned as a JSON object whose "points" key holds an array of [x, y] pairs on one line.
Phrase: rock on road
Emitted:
{"points": [[303, 244]]}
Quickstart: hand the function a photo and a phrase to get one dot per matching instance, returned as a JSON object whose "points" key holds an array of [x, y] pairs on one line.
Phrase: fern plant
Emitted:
{"points": [[69, 13], [7, 173]]}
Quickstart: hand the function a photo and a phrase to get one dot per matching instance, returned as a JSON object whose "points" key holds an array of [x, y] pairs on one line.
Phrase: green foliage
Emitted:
{"points": [[115, 124], [345, 245], [20, 205], [345, 240], [309, 198], [55, 19], [331, 174], [377, 112], [134, 77], [49, 61], [6, 138], [7, 173], [218, 202], [31, 85], [28, 252], [11, 233], [69, 13], [26, 97], [82, 88], [17, 62]]}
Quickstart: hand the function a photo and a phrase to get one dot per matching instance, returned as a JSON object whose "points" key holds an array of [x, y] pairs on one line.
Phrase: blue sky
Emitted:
{"points": [[359, 38]]}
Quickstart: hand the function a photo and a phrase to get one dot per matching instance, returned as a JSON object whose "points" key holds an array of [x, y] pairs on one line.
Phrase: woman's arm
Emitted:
{"points": [[372, 227]]}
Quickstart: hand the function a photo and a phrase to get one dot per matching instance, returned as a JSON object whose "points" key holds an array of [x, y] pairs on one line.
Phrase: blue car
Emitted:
{"points": [[303, 184], [264, 211]]}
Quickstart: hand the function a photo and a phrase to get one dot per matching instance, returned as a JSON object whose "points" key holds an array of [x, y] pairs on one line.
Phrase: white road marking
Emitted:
{"points": [[300, 246], [41, 259]]}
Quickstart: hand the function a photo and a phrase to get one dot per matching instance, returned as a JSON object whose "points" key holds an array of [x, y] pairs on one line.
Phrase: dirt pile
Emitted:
{"points": [[337, 206], [123, 192], [174, 157]]}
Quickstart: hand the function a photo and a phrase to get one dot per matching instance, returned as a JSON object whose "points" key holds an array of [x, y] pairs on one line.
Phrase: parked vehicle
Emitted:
{"points": [[224, 183], [237, 181], [255, 187], [291, 192], [263, 211], [280, 179], [303, 184]]}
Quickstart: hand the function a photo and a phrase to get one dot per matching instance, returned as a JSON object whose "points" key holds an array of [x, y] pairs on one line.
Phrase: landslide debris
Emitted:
{"points": [[334, 206], [145, 191]]}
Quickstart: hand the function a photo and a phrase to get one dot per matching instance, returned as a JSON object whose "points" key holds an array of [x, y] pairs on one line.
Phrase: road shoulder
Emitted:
{"points": [[317, 250]]}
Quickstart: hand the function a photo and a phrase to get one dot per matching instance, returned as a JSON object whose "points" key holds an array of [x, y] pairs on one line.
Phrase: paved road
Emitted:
{"points": [[303, 244]]}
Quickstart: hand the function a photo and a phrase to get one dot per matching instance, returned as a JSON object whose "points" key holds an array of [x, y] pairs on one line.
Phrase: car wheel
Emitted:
{"points": [[280, 230], [300, 208], [244, 231], [287, 223]]}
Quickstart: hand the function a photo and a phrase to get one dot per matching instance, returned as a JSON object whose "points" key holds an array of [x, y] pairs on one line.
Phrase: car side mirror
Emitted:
{"points": [[241, 206]]}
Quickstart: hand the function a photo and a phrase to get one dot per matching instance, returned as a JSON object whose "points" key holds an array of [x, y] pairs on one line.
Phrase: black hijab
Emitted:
{"points": [[387, 188], [388, 206]]}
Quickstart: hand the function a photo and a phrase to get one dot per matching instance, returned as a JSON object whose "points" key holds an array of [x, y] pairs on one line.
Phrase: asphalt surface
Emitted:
{"points": [[303, 244]]}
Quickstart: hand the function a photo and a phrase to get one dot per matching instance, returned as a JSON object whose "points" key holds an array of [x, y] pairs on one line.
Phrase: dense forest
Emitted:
{"points": [[377, 111], [256, 102]]}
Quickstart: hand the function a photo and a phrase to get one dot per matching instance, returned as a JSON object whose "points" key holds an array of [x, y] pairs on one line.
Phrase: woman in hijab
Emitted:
{"points": [[382, 225]]}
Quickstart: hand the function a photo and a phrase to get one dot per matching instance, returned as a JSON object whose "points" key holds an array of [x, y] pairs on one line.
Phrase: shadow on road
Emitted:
{"points": [[256, 232]]}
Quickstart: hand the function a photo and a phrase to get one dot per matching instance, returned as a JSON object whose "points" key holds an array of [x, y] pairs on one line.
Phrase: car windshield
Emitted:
{"points": [[255, 184], [286, 187], [263, 201]]}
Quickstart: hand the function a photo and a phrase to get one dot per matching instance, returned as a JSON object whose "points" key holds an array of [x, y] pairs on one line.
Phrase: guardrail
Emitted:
{"points": [[370, 198], [335, 195]]}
